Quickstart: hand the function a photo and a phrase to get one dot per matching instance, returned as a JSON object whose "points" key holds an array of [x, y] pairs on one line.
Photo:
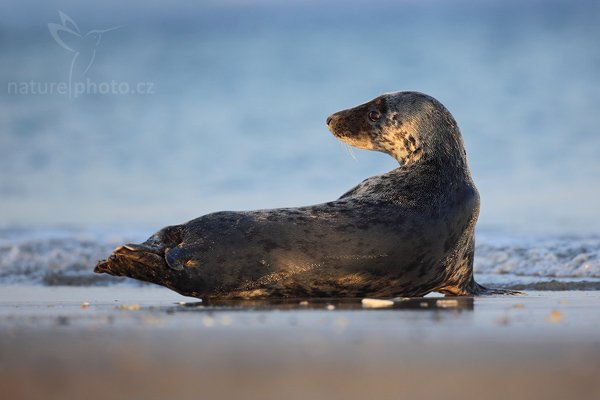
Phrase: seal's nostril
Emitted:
{"points": [[328, 120]]}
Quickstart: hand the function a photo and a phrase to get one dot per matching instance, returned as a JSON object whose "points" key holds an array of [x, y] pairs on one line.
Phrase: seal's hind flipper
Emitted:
{"points": [[475, 289], [483, 291], [131, 260], [145, 261]]}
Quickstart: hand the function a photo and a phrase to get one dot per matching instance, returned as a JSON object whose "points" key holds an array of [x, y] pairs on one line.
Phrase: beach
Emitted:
{"points": [[148, 342]]}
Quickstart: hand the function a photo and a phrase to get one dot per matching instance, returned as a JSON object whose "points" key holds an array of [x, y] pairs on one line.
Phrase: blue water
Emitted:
{"points": [[240, 92]]}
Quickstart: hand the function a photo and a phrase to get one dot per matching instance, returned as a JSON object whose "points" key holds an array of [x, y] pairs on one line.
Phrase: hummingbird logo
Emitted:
{"points": [[83, 46]]}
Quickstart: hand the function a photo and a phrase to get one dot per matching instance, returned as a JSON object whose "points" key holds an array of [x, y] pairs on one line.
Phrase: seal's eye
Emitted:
{"points": [[374, 116]]}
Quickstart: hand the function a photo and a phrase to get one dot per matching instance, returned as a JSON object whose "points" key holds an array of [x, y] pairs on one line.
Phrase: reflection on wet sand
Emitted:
{"points": [[417, 303]]}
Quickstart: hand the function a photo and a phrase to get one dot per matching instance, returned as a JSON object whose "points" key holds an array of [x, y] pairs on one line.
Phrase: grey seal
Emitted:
{"points": [[405, 233]]}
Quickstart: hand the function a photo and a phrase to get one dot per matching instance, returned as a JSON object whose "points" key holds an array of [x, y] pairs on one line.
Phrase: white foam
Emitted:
{"points": [[538, 256], [58, 256]]}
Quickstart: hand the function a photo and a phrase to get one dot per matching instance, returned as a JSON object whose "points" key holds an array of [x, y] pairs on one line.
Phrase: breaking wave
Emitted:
{"points": [[560, 257], [59, 256]]}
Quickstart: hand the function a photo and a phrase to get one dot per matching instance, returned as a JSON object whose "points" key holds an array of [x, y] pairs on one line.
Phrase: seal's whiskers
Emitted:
{"points": [[349, 148]]}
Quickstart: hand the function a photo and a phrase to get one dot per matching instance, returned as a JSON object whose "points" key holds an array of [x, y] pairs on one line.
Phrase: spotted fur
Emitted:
{"points": [[407, 232]]}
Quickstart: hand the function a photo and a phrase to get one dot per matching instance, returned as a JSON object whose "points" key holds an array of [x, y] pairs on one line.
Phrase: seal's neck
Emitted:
{"points": [[436, 140]]}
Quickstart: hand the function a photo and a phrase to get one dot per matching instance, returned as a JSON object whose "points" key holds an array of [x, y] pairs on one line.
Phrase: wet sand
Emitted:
{"points": [[140, 342]]}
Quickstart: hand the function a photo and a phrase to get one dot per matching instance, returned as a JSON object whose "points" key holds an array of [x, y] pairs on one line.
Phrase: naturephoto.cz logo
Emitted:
{"points": [[83, 48]]}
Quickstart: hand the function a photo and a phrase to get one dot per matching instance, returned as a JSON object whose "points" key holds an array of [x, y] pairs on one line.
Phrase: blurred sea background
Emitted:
{"points": [[233, 118]]}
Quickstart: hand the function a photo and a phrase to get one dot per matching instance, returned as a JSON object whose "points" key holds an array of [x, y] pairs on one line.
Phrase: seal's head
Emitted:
{"points": [[407, 125]]}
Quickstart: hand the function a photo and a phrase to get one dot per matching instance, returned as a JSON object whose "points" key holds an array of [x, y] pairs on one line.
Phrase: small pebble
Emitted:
{"points": [[208, 321], [376, 303], [554, 317], [446, 303], [129, 307], [330, 307], [85, 305], [150, 320], [303, 303]]}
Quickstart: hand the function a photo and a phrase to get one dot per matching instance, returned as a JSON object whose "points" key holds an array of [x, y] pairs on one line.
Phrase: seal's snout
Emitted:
{"points": [[333, 123]]}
